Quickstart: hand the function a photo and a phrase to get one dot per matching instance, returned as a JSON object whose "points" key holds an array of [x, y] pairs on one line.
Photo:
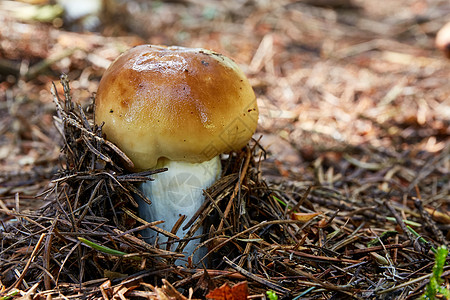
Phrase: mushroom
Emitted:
{"points": [[443, 40], [178, 108]]}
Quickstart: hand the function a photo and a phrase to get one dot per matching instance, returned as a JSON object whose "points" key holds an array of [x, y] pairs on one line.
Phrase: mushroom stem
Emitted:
{"points": [[176, 192]]}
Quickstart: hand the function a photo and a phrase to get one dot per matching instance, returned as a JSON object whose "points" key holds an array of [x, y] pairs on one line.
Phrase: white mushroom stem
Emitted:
{"points": [[176, 192]]}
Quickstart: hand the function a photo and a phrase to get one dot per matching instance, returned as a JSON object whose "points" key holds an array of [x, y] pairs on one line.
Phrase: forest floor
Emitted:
{"points": [[349, 167]]}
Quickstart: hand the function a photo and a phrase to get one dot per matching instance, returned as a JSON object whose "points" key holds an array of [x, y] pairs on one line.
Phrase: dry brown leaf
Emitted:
{"points": [[171, 292], [438, 216], [239, 291], [105, 289], [304, 217]]}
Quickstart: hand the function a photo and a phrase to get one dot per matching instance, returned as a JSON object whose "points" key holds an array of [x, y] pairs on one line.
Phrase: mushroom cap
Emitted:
{"points": [[178, 103], [443, 39]]}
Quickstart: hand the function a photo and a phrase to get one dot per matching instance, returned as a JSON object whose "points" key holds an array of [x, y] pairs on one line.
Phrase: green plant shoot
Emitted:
{"points": [[434, 286], [271, 295]]}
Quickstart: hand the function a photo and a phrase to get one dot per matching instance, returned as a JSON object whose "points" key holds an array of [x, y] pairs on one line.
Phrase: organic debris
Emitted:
{"points": [[344, 195], [296, 239]]}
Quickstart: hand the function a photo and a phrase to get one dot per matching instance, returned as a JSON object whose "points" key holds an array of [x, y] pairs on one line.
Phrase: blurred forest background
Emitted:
{"points": [[353, 94]]}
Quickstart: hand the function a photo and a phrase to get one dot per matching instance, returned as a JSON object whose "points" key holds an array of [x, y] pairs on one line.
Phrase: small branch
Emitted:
{"points": [[256, 278], [400, 222], [33, 254]]}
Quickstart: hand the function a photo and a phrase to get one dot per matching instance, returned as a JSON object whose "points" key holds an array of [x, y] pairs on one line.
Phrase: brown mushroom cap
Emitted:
{"points": [[178, 103], [443, 39]]}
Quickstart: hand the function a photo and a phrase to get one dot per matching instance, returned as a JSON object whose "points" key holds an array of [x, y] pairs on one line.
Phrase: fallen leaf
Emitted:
{"points": [[105, 289], [304, 217], [438, 216], [171, 292], [238, 292], [113, 275]]}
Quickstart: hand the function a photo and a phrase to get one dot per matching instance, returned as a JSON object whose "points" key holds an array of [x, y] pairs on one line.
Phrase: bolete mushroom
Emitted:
{"points": [[178, 108]]}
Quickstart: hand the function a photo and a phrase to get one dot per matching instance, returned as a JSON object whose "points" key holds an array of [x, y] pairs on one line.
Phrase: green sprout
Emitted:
{"points": [[383, 238], [421, 239], [105, 249], [10, 295], [407, 222], [280, 201], [434, 286], [271, 295]]}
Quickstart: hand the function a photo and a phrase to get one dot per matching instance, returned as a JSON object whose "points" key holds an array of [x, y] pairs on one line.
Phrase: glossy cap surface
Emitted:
{"points": [[178, 103]]}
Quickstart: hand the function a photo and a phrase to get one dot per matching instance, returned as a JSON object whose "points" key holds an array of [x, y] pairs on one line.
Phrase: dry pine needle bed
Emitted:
{"points": [[359, 232]]}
